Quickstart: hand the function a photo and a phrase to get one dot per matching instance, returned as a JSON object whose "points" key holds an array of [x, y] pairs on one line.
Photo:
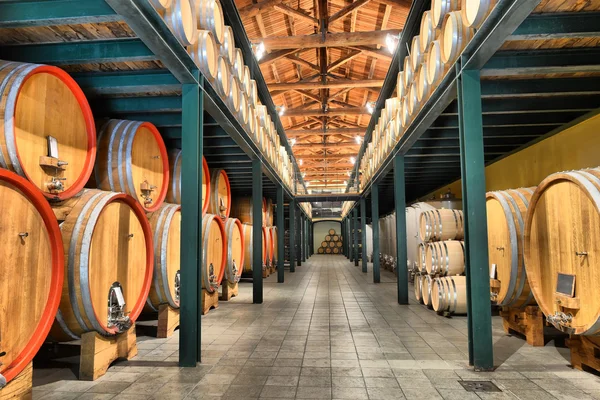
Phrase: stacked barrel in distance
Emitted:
{"points": [[441, 284], [331, 244]]}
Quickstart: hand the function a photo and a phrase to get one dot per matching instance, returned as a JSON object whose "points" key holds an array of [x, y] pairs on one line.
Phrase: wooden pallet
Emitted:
{"points": [[168, 321], [528, 321], [20, 387], [98, 352], [266, 272], [209, 300], [229, 290], [585, 354]]}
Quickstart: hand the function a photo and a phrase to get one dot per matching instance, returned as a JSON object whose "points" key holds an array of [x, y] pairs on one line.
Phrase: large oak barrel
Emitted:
{"points": [[445, 258], [132, 158], [108, 249], [442, 224], [449, 295], [237, 64], [210, 17], [562, 237], [248, 248], [241, 208], [439, 9], [205, 54], [174, 190], [336, 250], [166, 231], [214, 252], [269, 212], [267, 234], [328, 250], [320, 250], [32, 272], [474, 12], [275, 238], [220, 193], [234, 263], [47, 131], [506, 211], [455, 36], [413, 240], [181, 19], [233, 98]]}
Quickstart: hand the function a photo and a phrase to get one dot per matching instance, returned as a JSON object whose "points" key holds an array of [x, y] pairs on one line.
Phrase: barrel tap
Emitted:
{"points": [[560, 319]]}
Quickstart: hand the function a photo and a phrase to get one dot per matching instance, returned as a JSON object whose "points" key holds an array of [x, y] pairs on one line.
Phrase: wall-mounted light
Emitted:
{"points": [[259, 50], [391, 42], [371, 107]]}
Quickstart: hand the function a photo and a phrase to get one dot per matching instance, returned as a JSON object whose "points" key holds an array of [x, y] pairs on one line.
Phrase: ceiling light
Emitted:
{"points": [[346, 183], [293, 142], [307, 184], [391, 42], [358, 139], [370, 107], [281, 110], [304, 173], [301, 161], [348, 173], [352, 160], [259, 50]]}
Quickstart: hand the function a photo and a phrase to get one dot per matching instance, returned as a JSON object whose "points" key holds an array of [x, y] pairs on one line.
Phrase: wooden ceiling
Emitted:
{"points": [[325, 61]]}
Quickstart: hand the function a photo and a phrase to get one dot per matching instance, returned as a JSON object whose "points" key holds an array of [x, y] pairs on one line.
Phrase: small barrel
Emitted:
{"points": [[474, 12], [109, 257], [320, 250], [426, 290], [445, 258], [442, 224], [248, 248], [449, 295], [408, 73], [336, 250], [418, 287], [161, 5], [205, 54], [237, 64], [210, 17], [242, 209], [428, 31], [324, 244], [174, 190], [435, 66], [32, 272], [234, 263], [275, 237], [227, 48], [181, 17], [423, 87], [338, 244], [223, 78], [439, 9], [327, 238], [233, 99], [455, 36], [132, 158], [416, 55], [214, 252], [47, 131], [269, 212], [330, 244], [328, 250], [335, 238], [220, 193], [166, 230]]}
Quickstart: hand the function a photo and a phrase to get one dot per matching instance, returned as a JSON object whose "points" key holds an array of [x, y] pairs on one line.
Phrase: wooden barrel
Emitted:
{"points": [[442, 224], [174, 190], [408, 73], [416, 55], [108, 249], [220, 193], [39, 102], [205, 54], [32, 274], [166, 230], [233, 99], [400, 88], [269, 212], [242, 114], [246, 80], [445, 258], [327, 238], [423, 87], [426, 290], [435, 66], [331, 244], [241, 208], [338, 244], [253, 94], [449, 295], [238, 64], [320, 250], [234, 262], [336, 250], [474, 12], [405, 115], [418, 287], [439, 9], [248, 248], [275, 237], [561, 237], [413, 99], [420, 263], [210, 17], [269, 245], [335, 238], [328, 250], [227, 48], [161, 5], [132, 158], [455, 36], [506, 211], [214, 252], [223, 78], [180, 17], [428, 31], [324, 244]]}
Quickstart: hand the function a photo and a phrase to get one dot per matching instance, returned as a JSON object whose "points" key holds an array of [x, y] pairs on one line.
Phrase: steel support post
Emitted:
{"points": [[191, 226], [257, 256], [355, 235], [280, 235], [299, 236], [401, 250], [344, 238], [292, 234], [363, 224], [350, 237], [475, 221], [304, 241], [375, 224]]}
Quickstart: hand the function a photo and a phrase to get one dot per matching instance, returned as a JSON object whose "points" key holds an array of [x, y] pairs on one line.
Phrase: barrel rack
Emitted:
{"points": [[131, 66], [491, 104]]}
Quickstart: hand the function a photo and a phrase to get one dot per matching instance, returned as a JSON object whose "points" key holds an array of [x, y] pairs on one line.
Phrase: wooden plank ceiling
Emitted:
{"points": [[325, 60]]}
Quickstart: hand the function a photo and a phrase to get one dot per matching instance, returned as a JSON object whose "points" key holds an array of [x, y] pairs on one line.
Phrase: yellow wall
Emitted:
{"points": [[574, 148]]}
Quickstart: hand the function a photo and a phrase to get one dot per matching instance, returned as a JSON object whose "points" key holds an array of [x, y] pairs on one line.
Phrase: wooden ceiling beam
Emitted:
{"points": [[343, 60], [276, 55], [379, 54], [309, 95], [404, 4], [329, 157], [340, 93], [304, 63], [328, 132], [331, 112], [347, 10], [322, 146], [253, 10], [341, 39], [302, 124], [297, 14], [338, 84]]}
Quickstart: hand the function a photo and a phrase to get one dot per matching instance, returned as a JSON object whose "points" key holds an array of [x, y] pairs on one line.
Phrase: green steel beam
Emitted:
{"points": [[521, 105], [355, 236], [191, 228], [139, 82], [363, 224], [292, 235], [401, 249], [558, 26], [84, 52], [257, 244], [375, 224], [514, 120], [298, 236], [22, 14], [148, 104], [475, 222], [497, 88]]}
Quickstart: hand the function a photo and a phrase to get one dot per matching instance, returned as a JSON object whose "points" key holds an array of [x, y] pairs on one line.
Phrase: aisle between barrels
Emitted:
{"points": [[328, 332]]}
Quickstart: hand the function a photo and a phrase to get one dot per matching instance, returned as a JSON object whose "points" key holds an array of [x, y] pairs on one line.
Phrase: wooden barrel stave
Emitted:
{"points": [[426, 292], [205, 54], [418, 288], [474, 12], [439, 9], [234, 235], [248, 248], [181, 18], [220, 194], [209, 15], [275, 237], [214, 252]]}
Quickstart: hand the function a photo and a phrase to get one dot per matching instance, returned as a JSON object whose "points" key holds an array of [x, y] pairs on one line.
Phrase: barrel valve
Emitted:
{"points": [[116, 308], [177, 285], [560, 319], [147, 190], [581, 253], [56, 184], [212, 278], [234, 271], [23, 235]]}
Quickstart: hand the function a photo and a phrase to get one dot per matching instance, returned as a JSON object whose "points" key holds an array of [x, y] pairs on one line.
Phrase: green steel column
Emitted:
{"points": [[292, 236], [375, 224], [350, 237], [343, 236], [280, 235], [401, 251], [475, 220], [363, 224], [299, 237], [355, 235], [303, 237], [191, 226], [257, 256]]}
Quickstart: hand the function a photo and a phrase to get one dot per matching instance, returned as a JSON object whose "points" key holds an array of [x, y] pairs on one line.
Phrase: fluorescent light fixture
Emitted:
{"points": [[358, 139], [370, 107], [391, 42], [352, 160], [281, 110], [259, 50]]}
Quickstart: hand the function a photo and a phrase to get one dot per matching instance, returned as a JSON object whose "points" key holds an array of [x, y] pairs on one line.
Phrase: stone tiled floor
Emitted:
{"points": [[327, 333]]}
